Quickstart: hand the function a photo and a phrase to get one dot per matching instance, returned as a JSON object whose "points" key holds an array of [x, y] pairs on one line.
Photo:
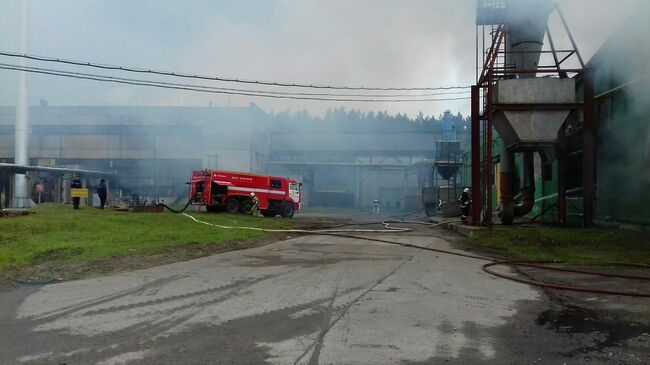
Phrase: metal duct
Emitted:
{"points": [[527, 192], [526, 21], [526, 195]]}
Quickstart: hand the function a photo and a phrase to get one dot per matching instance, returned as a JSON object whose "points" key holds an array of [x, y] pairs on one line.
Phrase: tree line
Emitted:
{"points": [[353, 120]]}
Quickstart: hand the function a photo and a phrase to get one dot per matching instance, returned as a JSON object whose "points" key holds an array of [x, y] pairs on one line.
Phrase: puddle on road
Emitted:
{"points": [[606, 329]]}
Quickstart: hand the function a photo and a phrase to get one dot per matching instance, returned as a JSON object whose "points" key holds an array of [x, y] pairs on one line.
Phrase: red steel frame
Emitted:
{"points": [[495, 68]]}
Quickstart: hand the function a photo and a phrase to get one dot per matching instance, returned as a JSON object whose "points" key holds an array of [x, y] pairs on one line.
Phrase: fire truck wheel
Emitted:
{"points": [[246, 206], [232, 205], [286, 210]]}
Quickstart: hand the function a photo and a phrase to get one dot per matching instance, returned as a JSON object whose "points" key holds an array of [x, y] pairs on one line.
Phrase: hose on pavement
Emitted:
{"points": [[327, 231], [487, 267]]}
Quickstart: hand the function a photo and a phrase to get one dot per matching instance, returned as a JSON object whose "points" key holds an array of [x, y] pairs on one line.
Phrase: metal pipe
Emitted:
{"points": [[506, 187], [22, 169], [509, 209], [621, 87], [488, 147], [554, 195], [528, 186]]}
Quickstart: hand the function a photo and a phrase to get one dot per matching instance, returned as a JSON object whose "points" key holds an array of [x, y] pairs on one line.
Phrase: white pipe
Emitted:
{"points": [[22, 127]]}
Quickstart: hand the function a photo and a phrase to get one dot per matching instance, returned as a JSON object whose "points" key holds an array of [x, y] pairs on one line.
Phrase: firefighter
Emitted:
{"points": [[102, 193], [256, 205], [465, 204], [375, 206], [76, 184]]}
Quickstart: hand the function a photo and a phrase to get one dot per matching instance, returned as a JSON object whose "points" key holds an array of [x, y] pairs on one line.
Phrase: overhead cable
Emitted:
{"points": [[203, 89], [219, 78], [245, 90]]}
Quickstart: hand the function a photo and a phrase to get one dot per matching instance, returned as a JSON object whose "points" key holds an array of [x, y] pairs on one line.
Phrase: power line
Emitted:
{"points": [[149, 83], [218, 78], [241, 90]]}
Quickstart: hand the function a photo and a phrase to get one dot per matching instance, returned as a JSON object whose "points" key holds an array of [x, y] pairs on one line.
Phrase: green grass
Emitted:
{"points": [[56, 231], [572, 245]]}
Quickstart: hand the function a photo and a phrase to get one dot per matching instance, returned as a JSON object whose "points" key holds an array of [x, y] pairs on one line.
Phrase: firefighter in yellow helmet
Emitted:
{"points": [[255, 209]]}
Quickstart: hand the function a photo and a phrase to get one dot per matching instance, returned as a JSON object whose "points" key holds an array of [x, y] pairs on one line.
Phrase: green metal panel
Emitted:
{"points": [[621, 68]]}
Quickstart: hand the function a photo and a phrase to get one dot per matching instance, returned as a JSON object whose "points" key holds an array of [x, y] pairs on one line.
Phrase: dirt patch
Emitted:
{"points": [[59, 253], [8, 213], [48, 271]]}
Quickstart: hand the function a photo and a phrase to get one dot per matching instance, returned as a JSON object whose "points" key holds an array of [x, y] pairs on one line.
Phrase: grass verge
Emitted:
{"points": [[57, 232], [575, 246]]}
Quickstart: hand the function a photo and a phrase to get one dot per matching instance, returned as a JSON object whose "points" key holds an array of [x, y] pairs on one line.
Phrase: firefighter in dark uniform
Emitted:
{"points": [[465, 204], [102, 193], [255, 209], [76, 184]]}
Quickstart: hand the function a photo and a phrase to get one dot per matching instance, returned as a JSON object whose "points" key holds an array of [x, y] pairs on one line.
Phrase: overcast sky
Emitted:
{"points": [[352, 42]]}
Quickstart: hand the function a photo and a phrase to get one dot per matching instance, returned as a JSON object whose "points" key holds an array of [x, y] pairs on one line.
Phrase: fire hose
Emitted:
{"points": [[542, 265], [387, 228], [179, 211]]}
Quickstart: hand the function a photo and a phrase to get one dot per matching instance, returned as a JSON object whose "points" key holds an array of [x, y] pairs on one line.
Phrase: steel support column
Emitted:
{"points": [[488, 148], [588, 152], [406, 185], [561, 176], [476, 156]]}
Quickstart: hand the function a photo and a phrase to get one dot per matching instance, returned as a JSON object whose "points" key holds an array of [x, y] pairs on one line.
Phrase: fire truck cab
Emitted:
{"points": [[231, 191]]}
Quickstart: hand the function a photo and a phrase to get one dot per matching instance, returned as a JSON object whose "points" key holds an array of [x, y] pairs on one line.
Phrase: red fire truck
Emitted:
{"points": [[232, 191]]}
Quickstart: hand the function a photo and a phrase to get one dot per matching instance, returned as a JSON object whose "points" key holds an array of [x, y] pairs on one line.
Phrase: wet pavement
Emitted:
{"points": [[312, 300]]}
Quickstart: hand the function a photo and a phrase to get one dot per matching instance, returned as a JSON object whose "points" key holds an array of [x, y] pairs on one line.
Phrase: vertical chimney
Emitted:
{"points": [[22, 127]]}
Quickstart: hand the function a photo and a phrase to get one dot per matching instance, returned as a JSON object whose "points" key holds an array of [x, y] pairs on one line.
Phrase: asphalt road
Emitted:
{"points": [[305, 300]]}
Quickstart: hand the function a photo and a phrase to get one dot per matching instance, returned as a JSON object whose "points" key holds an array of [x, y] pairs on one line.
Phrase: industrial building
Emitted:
{"points": [[353, 169], [151, 152], [621, 71], [558, 138]]}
